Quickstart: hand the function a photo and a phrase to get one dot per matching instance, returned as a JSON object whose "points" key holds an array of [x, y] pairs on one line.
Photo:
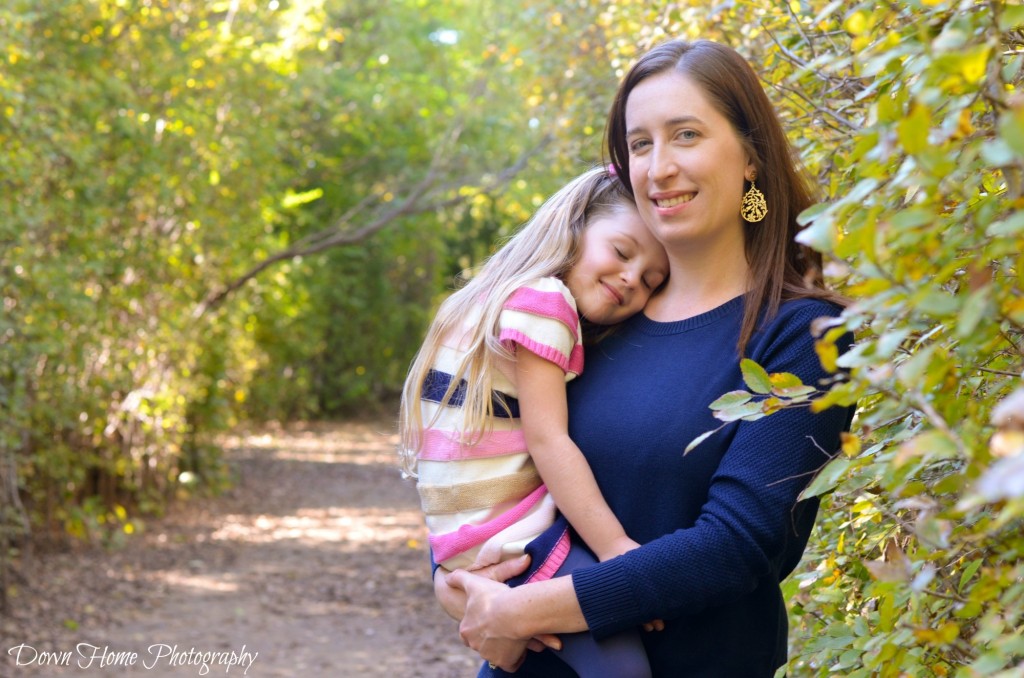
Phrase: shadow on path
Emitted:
{"points": [[313, 564]]}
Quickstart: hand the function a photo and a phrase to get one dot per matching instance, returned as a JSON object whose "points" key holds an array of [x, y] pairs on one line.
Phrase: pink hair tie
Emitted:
{"points": [[611, 170]]}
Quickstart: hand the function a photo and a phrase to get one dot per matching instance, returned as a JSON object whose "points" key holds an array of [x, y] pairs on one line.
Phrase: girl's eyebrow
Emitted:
{"points": [[671, 122]]}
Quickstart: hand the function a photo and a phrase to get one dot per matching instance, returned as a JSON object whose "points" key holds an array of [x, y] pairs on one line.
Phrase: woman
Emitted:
{"points": [[693, 136]]}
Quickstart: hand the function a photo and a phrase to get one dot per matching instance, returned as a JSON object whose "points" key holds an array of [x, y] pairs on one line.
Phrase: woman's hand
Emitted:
{"points": [[482, 628], [453, 599]]}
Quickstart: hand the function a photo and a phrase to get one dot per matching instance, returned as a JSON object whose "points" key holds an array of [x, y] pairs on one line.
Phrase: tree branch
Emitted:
{"points": [[338, 234]]}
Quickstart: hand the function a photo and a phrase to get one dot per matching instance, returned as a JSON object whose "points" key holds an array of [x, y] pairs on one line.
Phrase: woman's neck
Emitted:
{"points": [[698, 283]]}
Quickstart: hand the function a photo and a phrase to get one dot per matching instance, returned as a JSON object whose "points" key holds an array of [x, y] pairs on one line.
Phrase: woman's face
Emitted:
{"points": [[620, 265], [686, 162]]}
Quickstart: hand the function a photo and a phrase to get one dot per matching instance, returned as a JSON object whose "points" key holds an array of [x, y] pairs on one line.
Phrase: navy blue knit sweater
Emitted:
{"points": [[720, 527]]}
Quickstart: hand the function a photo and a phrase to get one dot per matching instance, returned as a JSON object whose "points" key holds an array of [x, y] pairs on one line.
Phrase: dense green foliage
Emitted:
{"points": [[912, 118], [239, 209]]}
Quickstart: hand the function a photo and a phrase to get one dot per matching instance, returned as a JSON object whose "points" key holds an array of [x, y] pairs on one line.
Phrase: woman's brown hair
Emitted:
{"points": [[780, 267]]}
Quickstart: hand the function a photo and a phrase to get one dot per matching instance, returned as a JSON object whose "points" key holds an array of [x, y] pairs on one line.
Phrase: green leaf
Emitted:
{"points": [[730, 399], [808, 215], [1012, 225], [968, 573], [1011, 17], [792, 392], [974, 309], [755, 376], [827, 478], [1011, 129], [819, 228], [739, 411]]}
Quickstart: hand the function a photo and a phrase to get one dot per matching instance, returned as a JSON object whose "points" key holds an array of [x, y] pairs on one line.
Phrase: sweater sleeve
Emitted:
{"points": [[750, 527], [542, 318]]}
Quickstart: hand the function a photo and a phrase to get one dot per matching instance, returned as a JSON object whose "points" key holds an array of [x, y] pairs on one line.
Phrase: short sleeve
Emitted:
{"points": [[542, 318]]}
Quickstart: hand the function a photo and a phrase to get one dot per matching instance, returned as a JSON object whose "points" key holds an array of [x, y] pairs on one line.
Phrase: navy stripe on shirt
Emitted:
{"points": [[436, 385]]}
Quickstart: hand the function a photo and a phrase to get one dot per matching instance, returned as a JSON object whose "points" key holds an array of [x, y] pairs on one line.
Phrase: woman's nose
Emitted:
{"points": [[663, 164]]}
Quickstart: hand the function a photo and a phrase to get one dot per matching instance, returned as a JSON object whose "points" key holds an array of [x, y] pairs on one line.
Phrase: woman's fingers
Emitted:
{"points": [[656, 625], [544, 641]]}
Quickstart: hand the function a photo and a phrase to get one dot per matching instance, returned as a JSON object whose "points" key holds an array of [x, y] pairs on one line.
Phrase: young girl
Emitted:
{"points": [[484, 419]]}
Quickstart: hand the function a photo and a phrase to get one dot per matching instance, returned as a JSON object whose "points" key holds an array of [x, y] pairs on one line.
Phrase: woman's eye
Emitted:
{"points": [[688, 135], [620, 254], [638, 145]]}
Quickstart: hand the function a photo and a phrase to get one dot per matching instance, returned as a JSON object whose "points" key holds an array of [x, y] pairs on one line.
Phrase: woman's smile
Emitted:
{"points": [[667, 203]]}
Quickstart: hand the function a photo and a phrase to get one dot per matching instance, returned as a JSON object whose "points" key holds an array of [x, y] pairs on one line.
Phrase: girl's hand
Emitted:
{"points": [[482, 627]]}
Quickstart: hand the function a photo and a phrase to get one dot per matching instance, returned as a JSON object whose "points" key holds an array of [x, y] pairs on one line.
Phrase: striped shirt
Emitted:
{"points": [[484, 502]]}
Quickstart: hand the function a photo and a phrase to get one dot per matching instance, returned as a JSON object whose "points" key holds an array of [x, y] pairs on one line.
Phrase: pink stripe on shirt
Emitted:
{"points": [[572, 363], [554, 560], [439, 445], [549, 353], [548, 304], [445, 546]]}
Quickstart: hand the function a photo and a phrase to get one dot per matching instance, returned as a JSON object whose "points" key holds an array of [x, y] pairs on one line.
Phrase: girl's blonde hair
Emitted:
{"points": [[547, 245]]}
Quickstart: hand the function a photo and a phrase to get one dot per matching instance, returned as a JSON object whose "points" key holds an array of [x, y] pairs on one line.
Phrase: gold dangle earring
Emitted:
{"points": [[754, 207]]}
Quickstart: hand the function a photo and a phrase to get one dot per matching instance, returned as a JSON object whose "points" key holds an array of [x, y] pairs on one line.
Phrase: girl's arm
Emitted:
{"points": [[545, 419]]}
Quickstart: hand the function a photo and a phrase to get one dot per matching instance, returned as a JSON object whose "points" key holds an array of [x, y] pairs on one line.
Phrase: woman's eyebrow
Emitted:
{"points": [[671, 122]]}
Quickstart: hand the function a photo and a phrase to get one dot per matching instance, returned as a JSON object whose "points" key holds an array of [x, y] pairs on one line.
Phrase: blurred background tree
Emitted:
{"points": [[234, 210]]}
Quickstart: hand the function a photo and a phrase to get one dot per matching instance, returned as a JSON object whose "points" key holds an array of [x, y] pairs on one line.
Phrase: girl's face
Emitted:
{"points": [[686, 162], [620, 265]]}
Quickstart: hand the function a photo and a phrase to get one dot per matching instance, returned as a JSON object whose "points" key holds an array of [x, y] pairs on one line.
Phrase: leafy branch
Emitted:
{"points": [[768, 394], [422, 198]]}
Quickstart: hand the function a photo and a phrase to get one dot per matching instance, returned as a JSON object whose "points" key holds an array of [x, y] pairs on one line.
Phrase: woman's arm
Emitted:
{"points": [[751, 525], [545, 420]]}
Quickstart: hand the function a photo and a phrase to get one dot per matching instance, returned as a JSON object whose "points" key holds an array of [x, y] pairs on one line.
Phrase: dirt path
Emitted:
{"points": [[314, 564]]}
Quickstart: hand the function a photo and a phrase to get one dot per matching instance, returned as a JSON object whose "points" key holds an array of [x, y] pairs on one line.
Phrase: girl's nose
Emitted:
{"points": [[629, 277]]}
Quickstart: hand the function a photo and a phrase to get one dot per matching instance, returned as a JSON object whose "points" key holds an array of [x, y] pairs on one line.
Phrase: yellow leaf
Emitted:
{"points": [[828, 354], [856, 23], [771, 405], [851, 444], [784, 380], [913, 130], [974, 64], [964, 127]]}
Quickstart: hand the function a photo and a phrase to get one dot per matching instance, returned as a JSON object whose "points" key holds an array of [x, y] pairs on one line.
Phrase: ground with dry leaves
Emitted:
{"points": [[315, 560]]}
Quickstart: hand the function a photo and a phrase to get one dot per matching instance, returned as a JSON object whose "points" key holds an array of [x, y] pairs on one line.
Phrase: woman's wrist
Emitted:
{"points": [[542, 608]]}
